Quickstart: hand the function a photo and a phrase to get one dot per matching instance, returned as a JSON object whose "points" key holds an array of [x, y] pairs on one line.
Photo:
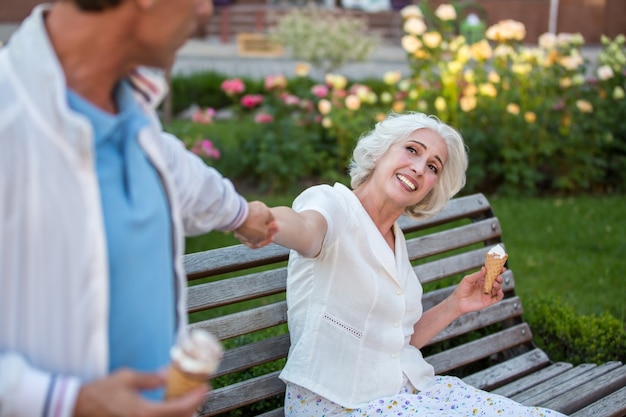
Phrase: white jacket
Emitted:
{"points": [[53, 260]]}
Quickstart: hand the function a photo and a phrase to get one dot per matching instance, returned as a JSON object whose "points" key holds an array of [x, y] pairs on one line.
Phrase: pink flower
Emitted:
{"points": [[233, 86], [203, 116], [275, 82], [205, 148], [319, 90], [251, 101], [264, 118], [289, 99]]}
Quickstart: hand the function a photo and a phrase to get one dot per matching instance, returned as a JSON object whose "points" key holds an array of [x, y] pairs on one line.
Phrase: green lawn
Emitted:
{"points": [[570, 248]]}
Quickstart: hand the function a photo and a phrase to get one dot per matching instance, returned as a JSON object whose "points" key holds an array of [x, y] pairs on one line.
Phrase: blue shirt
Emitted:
{"points": [[142, 316]]}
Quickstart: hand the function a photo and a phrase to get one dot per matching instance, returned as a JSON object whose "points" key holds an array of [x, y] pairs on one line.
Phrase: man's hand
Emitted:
{"points": [[259, 228], [118, 395]]}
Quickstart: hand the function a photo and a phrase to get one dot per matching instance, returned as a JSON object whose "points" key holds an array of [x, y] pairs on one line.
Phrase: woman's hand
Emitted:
{"points": [[469, 295]]}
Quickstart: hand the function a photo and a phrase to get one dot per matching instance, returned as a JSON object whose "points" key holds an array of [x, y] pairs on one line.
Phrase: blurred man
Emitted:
{"points": [[95, 202]]}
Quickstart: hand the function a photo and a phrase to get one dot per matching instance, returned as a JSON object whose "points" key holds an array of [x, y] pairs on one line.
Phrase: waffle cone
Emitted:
{"points": [[180, 382], [494, 266]]}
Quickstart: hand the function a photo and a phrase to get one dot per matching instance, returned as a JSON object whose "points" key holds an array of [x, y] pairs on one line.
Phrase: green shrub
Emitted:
{"points": [[575, 338]]}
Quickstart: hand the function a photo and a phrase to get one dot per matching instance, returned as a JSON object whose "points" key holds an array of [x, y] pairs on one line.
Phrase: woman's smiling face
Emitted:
{"points": [[411, 167]]}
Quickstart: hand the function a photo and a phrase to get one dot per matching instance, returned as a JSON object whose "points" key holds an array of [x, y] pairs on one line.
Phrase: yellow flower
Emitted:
{"points": [[352, 102], [414, 94], [445, 12], [337, 81], [584, 106], [493, 77], [302, 69], [530, 117], [470, 90], [618, 93], [324, 106], [565, 82], [512, 108], [440, 104], [504, 51], [411, 10], [414, 26], [455, 67], [391, 77], [521, 68], [411, 44], [571, 62], [488, 90], [432, 39], [469, 75], [327, 123], [398, 106], [481, 51], [467, 103], [386, 97], [506, 30], [464, 53]]}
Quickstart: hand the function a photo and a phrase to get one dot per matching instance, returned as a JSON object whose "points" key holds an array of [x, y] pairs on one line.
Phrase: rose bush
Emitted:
{"points": [[537, 119]]}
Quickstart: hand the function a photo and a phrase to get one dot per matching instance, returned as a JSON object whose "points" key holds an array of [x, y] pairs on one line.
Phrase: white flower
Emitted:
{"points": [[415, 26], [605, 72], [411, 10], [411, 44], [445, 12], [547, 41]]}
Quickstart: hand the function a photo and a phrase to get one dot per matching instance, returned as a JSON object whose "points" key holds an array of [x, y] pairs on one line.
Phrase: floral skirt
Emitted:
{"points": [[449, 396]]}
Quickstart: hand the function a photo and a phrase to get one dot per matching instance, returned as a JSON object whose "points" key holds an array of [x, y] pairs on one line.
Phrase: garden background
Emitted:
{"points": [[543, 125]]}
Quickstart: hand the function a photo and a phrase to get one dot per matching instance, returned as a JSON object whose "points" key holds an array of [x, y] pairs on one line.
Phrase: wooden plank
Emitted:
{"points": [[441, 242], [231, 258], [471, 206], [258, 44], [506, 309], [555, 386], [236, 289], [450, 265], [589, 392], [253, 354], [279, 412], [613, 405], [480, 349], [529, 381], [241, 394], [245, 322], [510, 370]]}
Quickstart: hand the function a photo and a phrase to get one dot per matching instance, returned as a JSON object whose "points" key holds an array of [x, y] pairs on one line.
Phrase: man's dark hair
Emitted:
{"points": [[96, 5]]}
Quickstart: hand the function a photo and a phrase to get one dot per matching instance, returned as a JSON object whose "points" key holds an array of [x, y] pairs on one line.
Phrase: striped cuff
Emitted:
{"points": [[240, 217]]}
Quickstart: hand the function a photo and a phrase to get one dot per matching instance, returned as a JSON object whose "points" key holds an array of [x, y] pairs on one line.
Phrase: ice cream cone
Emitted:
{"points": [[493, 263], [194, 360], [180, 382]]}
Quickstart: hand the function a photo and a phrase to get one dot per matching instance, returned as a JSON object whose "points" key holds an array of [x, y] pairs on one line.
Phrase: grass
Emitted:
{"points": [[572, 249]]}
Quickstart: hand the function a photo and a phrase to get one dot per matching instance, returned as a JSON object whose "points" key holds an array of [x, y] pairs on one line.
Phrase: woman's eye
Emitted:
{"points": [[434, 168], [411, 149]]}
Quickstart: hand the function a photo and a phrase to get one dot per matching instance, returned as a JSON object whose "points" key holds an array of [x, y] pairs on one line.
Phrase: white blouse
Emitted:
{"points": [[352, 308]]}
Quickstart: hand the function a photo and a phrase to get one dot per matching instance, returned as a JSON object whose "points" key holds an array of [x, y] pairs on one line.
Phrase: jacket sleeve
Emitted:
{"points": [[29, 392], [207, 200]]}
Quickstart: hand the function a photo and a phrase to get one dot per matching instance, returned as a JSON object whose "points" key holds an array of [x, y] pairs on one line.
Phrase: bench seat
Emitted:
{"points": [[238, 294]]}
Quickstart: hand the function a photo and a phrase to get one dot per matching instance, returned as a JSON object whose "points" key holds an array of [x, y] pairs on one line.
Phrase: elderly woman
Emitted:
{"points": [[355, 316]]}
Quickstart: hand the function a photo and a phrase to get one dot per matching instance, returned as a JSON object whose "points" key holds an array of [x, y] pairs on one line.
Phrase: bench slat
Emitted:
{"points": [[241, 394], [613, 405], [245, 322], [471, 206], [510, 370], [447, 240], [231, 258], [557, 385], [451, 265], [529, 381], [253, 354], [481, 348], [237, 289], [506, 309], [589, 392]]}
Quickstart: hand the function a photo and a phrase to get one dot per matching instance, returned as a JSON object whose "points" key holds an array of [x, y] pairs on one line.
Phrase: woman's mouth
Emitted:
{"points": [[407, 182]]}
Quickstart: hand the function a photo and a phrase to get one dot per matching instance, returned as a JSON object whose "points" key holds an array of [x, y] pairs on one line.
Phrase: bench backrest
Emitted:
{"points": [[238, 294]]}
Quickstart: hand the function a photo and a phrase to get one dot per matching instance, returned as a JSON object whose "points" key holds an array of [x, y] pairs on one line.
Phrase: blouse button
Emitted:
{"points": [[396, 324], [399, 292]]}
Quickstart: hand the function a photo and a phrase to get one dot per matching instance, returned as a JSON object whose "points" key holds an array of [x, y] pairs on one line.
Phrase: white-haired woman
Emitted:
{"points": [[355, 314]]}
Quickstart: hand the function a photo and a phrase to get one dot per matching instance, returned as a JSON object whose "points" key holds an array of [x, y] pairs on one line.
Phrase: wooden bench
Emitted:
{"points": [[241, 292]]}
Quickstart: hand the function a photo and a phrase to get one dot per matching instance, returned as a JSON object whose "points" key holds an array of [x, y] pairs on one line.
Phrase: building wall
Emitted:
{"points": [[592, 18]]}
